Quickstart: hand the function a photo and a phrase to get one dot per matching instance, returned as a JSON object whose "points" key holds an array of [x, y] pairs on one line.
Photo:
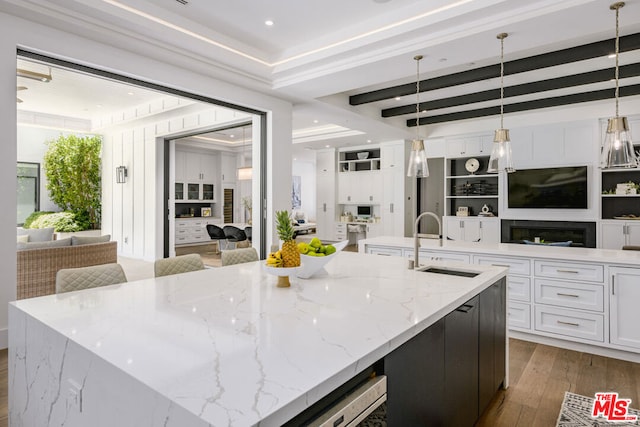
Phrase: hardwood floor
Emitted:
{"points": [[539, 377]]}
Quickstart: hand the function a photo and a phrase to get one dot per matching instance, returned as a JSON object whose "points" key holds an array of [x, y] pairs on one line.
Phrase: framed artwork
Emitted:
{"points": [[296, 202], [205, 211]]}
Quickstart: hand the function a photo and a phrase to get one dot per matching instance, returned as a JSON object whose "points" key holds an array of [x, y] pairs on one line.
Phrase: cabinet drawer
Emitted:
{"points": [[341, 227], [519, 315], [519, 288], [516, 265], [569, 270], [438, 256], [182, 231], [568, 294], [385, 251], [589, 326], [181, 240], [182, 223]]}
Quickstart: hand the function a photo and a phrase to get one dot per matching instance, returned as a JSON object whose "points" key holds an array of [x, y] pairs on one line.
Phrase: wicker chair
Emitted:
{"points": [[238, 256], [179, 264], [75, 279]]}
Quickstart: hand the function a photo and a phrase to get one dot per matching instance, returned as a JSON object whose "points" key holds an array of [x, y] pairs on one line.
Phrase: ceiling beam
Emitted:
{"points": [[556, 101], [550, 59], [591, 77]]}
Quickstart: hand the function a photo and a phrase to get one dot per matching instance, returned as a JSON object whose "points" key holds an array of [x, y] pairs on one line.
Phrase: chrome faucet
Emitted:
{"points": [[417, 236]]}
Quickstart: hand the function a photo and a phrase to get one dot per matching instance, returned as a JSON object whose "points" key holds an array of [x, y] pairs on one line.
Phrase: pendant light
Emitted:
{"points": [[244, 172], [418, 158], [501, 158], [618, 151]]}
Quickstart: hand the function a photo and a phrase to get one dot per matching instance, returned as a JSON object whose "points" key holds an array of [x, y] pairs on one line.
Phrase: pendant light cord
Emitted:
{"points": [[617, 53], [418, 58], [502, 36]]}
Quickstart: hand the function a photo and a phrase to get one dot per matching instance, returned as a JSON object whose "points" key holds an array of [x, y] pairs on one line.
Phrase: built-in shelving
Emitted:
{"points": [[350, 162], [617, 205], [472, 190]]}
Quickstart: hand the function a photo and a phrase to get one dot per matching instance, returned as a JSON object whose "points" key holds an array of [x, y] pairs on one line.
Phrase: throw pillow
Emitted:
{"points": [[43, 245], [23, 238], [88, 240], [37, 234]]}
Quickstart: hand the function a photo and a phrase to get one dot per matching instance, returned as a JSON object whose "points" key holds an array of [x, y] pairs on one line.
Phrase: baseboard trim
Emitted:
{"points": [[577, 346]]}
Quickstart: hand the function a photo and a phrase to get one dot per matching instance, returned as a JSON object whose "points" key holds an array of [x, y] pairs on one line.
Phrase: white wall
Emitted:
{"points": [[307, 173], [149, 63]]}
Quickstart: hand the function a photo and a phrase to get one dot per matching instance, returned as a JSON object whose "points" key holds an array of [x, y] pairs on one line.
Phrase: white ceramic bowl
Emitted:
{"points": [[310, 265], [363, 155]]}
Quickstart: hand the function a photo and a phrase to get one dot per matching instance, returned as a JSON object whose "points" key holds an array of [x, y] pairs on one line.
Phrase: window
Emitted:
{"points": [[28, 188]]}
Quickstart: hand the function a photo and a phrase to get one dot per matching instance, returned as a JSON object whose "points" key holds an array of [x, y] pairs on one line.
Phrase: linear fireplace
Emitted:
{"points": [[581, 234]]}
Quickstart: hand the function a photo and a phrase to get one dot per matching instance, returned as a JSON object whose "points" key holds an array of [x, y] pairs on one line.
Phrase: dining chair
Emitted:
{"points": [[248, 232], [178, 264], [238, 256], [217, 233], [75, 279], [234, 234]]}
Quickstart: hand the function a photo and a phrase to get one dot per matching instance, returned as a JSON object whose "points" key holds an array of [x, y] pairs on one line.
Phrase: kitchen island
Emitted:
{"points": [[580, 298], [219, 346]]}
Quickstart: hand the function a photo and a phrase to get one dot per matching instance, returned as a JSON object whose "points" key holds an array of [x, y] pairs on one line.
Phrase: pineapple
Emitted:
{"points": [[290, 254]]}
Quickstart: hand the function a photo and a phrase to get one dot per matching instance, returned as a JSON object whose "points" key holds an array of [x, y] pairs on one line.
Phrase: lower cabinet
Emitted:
{"points": [[448, 374], [624, 314]]}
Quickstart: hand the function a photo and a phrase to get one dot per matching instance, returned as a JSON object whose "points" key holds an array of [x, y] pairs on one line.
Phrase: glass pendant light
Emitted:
{"points": [[618, 151], [501, 150], [418, 158]]}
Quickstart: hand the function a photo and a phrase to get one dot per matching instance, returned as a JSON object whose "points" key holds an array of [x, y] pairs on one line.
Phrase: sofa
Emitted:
{"points": [[37, 264], [301, 223]]}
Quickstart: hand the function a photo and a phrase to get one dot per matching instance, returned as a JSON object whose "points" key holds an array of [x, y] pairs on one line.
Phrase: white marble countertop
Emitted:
{"points": [[618, 257], [229, 346]]}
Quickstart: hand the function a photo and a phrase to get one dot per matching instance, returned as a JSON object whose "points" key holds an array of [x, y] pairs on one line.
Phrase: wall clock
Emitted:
{"points": [[472, 165]]}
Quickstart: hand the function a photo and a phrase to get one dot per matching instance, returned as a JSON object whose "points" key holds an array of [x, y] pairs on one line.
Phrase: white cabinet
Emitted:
{"points": [[360, 187], [228, 167], [485, 230], [392, 156], [341, 232], [616, 234], [326, 194], [195, 176], [624, 314], [193, 230], [373, 230], [392, 207], [469, 146]]}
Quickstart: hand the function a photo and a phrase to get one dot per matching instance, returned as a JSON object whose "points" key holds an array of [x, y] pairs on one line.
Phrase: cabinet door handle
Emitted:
{"points": [[567, 271], [391, 207], [370, 198], [324, 207], [560, 322], [349, 198], [461, 224], [465, 308], [613, 284], [567, 295]]}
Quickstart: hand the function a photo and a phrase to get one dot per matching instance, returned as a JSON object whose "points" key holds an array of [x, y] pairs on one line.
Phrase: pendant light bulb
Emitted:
{"points": [[418, 166], [617, 151], [501, 158]]}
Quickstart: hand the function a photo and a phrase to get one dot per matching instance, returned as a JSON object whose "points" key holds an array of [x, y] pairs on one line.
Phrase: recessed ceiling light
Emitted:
{"points": [[381, 1], [327, 146], [268, 23], [398, 98], [295, 158], [612, 56], [315, 121], [129, 93]]}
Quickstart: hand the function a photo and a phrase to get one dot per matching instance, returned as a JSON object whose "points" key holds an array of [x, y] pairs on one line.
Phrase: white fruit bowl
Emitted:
{"points": [[363, 155], [310, 265]]}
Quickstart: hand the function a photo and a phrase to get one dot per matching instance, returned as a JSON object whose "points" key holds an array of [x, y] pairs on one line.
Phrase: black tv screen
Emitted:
{"points": [[548, 188]]}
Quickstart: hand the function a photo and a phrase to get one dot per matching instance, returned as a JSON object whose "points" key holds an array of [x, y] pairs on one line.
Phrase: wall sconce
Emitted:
{"points": [[121, 174]]}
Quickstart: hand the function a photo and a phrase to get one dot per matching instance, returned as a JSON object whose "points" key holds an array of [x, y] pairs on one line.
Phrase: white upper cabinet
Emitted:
{"points": [[180, 159], [392, 156], [228, 167], [469, 146]]}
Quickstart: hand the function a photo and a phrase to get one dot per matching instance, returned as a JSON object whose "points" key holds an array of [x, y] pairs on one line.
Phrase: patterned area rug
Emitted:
{"points": [[576, 412], [378, 418]]}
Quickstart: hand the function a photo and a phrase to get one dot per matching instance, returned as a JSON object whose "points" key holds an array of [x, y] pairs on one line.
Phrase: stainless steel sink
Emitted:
{"points": [[448, 271]]}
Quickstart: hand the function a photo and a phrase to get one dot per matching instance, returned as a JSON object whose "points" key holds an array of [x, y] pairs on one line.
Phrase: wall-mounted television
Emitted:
{"points": [[548, 188]]}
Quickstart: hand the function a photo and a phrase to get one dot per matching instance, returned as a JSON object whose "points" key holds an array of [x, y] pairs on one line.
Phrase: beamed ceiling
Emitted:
{"points": [[542, 82]]}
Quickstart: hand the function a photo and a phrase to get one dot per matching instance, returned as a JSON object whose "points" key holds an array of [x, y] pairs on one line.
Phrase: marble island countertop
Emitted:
{"points": [[220, 346], [510, 249]]}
